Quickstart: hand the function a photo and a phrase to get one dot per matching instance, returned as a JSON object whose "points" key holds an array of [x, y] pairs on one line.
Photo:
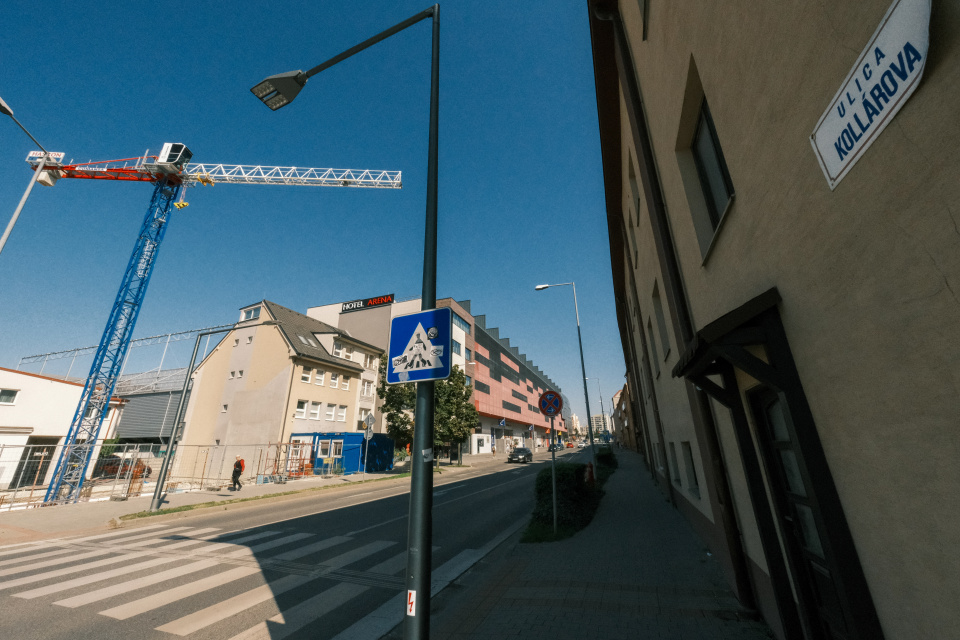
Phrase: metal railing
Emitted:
{"points": [[123, 471]]}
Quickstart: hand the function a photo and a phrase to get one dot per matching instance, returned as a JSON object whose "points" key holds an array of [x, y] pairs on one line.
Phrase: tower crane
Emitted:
{"points": [[170, 172]]}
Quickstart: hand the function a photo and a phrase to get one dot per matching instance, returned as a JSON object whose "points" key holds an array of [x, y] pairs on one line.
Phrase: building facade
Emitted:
{"points": [[35, 416], [276, 373], [506, 384], [790, 324]]}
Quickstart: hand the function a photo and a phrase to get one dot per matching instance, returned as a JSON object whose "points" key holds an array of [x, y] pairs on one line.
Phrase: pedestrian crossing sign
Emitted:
{"points": [[420, 346]]}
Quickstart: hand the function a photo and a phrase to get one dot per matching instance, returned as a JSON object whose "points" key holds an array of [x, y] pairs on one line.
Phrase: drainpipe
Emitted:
{"points": [[674, 292]]}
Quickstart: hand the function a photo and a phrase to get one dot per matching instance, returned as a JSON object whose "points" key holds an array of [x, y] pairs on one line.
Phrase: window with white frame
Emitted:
{"points": [[233, 374], [324, 449], [240, 373], [315, 410], [363, 417], [331, 411], [236, 341], [301, 411], [306, 375], [348, 352], [342, 413], [250, 314], [223, 408], [334, 380], [367, 389], [370, 361], [249, 339], [319, 376], [337, 349], [337, 449], [345, 383]]}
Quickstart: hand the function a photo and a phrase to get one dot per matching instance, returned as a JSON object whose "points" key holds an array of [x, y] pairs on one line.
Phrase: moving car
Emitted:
{"points": [[569, 445], [520, 454]]}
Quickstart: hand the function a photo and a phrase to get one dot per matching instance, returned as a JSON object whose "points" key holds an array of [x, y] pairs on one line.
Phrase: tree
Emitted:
{"points": [[454, 416], [399, 401]]}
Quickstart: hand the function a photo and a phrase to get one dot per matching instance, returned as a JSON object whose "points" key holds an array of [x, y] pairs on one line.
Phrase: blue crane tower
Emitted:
{"points": [[169, 173]]}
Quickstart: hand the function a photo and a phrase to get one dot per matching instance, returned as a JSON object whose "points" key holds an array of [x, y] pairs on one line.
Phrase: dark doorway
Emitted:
{"points": [[798, 517], [34, 461]]}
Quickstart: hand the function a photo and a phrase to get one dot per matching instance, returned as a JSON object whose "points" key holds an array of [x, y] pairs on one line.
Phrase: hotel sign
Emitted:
{"points": [[366, 303], [884, 76]]}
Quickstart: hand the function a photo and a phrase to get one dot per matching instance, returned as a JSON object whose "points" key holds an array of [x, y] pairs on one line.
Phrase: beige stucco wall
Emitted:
{"points": [[869, 273]]}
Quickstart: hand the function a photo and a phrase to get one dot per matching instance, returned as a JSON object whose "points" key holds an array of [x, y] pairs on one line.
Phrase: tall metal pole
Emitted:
{"points": [[420, 525], [162, 476], [36, 174], [23, 201], [583, 371], [553, 470]]}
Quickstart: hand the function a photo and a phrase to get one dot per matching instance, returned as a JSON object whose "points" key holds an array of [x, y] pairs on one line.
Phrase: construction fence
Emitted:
{"points": [[122, 471]]}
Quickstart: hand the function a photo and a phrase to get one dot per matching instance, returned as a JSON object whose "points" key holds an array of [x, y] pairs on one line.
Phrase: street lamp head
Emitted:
{"points": [[541, 287], [4, 109], [280, 90]]}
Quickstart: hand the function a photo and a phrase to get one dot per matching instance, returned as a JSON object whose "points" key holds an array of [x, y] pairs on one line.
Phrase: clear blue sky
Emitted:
{"points": [[520, 195]]}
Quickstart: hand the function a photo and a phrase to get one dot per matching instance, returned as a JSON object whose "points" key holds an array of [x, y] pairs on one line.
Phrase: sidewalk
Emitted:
{"points": [[27, 525], [637, 571]]}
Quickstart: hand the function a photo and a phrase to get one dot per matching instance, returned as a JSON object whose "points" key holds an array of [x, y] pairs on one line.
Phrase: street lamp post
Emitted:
{"points": [[583, 368], [6, 110], [603, 419], [278, 91]]}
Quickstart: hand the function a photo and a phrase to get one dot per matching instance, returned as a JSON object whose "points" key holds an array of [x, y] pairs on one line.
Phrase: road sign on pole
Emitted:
{"points": [[420, 347], [550, 404]]}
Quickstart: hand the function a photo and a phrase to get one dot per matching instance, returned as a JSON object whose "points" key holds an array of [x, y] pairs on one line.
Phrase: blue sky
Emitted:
{"points": [[520, 193]]}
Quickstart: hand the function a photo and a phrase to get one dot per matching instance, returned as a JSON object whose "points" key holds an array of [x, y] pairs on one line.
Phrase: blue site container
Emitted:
{"points": [[354, 448]]}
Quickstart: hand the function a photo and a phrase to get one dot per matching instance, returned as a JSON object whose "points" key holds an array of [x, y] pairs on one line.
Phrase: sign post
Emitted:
{"points": [[550, 405], [367, 435]]}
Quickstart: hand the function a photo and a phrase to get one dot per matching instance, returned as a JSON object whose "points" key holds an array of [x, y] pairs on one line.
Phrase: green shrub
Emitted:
{"points": [[606, 465], [576, 500]]}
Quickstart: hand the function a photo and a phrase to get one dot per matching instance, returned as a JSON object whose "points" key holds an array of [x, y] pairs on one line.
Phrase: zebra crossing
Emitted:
{"points": [[215, 577]]}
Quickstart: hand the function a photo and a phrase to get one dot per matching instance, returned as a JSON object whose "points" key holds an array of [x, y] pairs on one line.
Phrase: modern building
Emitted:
{"points": [[279, 373], [507, 385], [35, 416], [600, 423], [781, 185]]}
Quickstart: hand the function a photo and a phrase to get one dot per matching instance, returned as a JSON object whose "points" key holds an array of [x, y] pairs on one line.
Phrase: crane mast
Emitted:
{"points": [[169, 174]]}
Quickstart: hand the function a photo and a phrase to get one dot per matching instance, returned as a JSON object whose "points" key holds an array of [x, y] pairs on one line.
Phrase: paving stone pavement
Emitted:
{"points": [[637, 571]]}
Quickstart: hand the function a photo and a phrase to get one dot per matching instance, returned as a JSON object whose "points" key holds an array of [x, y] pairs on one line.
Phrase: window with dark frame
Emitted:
{"points": [[711, 166]]}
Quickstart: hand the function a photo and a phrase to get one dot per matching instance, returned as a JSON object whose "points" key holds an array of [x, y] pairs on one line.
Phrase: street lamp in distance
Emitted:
{"points": [[583, 368]]}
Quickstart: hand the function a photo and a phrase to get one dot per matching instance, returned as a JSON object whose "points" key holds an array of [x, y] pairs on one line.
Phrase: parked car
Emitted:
{"points": [[520, 454], [116, 467], [555, 447], [569, 445], [581, 444]]}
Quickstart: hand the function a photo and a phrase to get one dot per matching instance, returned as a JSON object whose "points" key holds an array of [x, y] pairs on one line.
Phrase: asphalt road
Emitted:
{"points": [[314, 567]]}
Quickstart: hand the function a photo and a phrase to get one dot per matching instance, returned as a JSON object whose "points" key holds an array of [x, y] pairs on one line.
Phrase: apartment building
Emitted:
{"points": [[781, 195], [279, 372]]}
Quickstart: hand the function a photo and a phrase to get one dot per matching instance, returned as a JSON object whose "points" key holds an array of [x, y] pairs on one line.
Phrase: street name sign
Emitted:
{"points": [[882, 79], [550, 403], [420, 346]]}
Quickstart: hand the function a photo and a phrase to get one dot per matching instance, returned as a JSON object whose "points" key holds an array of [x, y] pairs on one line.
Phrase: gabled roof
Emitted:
{"points": [[294, 326]]}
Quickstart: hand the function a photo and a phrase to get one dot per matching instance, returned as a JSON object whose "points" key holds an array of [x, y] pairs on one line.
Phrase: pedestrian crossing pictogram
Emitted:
{"points": [[420, 352], [420, 346]]}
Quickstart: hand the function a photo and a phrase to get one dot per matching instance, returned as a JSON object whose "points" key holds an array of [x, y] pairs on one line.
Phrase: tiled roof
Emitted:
{"points": [[295, 325]]}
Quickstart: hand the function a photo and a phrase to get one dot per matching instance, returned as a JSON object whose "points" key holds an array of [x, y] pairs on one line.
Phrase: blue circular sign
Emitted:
{"points": [[550, 403]]}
